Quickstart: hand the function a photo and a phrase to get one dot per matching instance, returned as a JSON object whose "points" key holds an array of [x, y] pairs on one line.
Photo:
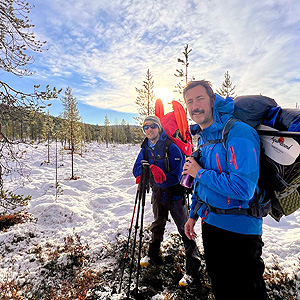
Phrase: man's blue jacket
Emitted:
{"points": [[229, 176]]}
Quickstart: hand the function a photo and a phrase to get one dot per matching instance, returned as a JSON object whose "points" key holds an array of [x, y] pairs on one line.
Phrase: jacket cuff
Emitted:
{"points": [[199, 174], [193, 215]]}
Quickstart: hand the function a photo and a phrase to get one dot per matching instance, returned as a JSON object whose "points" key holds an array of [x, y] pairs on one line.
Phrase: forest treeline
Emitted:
{"points": [[22, 124]]}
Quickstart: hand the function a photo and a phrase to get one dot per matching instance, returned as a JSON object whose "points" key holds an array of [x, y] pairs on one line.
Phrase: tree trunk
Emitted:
{"points": [[72, 157], [48, 146]]}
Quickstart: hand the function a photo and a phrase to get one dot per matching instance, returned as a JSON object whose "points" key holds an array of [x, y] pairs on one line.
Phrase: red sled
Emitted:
{"points": [[175, 125]]}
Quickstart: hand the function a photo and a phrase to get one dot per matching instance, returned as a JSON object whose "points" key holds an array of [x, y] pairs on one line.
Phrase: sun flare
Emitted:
{"points": [[166, 95]]}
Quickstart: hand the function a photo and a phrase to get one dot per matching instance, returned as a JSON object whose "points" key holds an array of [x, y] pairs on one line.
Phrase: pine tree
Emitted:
{"points": [[88, 133], [72, 127], [227, 90], [145, 99], [107, 131], [128, 133], [16, 40], [47, 132], [123, 135], [35, 122], [183, 74], [82, 135]]}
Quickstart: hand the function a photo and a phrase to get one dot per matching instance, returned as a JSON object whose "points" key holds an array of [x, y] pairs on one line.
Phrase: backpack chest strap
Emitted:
{"points": [[158, 157]]}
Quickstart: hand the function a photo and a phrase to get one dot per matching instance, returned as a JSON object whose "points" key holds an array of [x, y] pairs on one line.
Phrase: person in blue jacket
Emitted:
{"points": [[167, 194], [225, 182]]}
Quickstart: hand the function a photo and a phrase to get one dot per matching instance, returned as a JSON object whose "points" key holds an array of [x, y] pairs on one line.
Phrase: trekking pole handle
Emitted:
{"points": [[144, 183], [146, 165]]}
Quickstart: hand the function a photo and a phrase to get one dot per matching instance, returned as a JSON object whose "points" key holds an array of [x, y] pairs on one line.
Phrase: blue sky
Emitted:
{"points": [[102, 49]]}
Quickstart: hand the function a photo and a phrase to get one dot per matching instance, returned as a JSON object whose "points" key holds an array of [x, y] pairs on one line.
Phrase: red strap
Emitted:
{"points": [[138, 179]]}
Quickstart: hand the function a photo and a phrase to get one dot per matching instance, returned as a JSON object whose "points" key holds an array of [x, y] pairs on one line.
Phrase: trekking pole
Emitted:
{"points": [[142, 186], [146, 176], [186, 195], [128, 240]]}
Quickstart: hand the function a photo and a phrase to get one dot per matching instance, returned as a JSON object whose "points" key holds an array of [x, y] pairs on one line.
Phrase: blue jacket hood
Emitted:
{"points": [[222, 111], [163, 136]]}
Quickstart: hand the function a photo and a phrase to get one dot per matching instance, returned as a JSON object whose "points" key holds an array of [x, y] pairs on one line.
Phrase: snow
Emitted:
{"points": [[98, 207]]}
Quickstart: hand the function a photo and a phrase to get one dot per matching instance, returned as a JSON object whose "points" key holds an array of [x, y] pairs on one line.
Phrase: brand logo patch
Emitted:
{"points": [[281, 142]]}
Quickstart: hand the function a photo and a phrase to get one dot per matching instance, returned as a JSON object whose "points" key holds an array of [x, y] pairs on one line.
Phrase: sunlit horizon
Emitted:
{"points": [[167, 96]]}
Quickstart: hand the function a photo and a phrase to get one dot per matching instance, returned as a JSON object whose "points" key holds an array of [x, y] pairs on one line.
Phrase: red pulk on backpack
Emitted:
{"points": [[175, 125]]}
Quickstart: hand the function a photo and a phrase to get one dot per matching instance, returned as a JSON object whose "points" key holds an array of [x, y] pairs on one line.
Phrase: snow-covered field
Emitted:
{"points": [[99, 205]]}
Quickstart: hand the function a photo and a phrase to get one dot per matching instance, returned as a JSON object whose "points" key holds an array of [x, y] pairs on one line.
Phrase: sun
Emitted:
{"points": [[166, 95]]}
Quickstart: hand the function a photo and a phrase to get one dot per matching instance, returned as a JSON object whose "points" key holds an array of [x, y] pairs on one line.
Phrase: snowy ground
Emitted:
{"points": [[99, 207]]}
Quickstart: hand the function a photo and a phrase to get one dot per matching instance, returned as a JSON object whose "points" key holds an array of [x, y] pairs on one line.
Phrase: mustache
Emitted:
{"points": [[197, 111]]}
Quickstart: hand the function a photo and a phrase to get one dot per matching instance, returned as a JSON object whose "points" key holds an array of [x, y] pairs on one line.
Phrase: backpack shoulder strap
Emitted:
{"points": [[167, 146], [226, 129], [165, 156], [225, 133], [260, 205]]}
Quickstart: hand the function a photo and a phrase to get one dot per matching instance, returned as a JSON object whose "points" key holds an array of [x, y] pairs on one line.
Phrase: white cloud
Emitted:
{"points": [[104, 48]]}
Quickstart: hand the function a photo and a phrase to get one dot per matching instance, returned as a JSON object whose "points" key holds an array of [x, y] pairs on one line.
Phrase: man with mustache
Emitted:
{"points": [[225, 183]]}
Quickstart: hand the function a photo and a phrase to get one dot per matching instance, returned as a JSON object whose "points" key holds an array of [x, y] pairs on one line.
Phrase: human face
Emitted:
{"points": [[152, 133], [199, 106]]}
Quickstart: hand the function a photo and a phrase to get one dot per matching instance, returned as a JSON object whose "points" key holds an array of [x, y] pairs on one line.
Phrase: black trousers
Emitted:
{"points": [[234, 264], [178, 211]]}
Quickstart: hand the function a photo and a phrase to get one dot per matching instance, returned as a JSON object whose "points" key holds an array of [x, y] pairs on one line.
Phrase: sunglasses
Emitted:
{"points": [[152, 126]]}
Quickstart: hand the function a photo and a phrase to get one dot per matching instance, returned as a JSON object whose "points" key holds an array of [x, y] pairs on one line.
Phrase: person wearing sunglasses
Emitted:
{"points": [[166, 164]]}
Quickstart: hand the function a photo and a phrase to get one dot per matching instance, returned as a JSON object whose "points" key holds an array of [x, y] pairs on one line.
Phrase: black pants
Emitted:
{"points": [[178, 211], [234, 264]]}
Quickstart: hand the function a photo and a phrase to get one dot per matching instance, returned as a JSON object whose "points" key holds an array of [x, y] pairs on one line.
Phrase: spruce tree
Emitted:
{"points": [[71, 125], [227, 90], [145, 99]]}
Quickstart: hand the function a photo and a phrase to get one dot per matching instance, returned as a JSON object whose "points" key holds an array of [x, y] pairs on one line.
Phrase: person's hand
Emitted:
{"points": [[189, 228], [158, 174], [191, 167], [138, 179]]}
